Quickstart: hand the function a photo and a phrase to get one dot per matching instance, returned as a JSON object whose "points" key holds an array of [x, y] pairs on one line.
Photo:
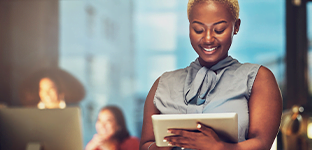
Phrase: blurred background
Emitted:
{"points": [[118, 48]]}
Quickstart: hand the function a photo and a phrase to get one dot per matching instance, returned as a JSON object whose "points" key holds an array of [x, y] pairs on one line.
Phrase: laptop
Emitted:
{"points": [[46, 129]]}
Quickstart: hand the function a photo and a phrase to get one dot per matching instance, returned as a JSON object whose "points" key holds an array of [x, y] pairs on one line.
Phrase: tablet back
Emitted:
{"points": [[224, 124]]}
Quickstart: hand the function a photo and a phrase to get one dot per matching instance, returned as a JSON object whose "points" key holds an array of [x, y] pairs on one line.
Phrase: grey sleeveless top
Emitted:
{"points": [[225, 87]]}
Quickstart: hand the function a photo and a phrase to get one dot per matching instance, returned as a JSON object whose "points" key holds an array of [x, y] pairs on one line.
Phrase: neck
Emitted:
{"points": [[210, 64]]}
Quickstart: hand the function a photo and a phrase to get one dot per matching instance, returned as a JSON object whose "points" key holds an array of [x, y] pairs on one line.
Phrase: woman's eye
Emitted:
{"points": [[198, 31], [219, 31]]}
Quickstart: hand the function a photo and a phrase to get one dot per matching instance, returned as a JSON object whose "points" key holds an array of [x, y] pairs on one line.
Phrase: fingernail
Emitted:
{"points": [[168, 131], [198, 126], [182, 147], [164, 140], [169, 144]]}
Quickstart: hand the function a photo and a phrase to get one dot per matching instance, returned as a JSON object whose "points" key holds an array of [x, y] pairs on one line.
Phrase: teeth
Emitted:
{"points": [[209, 49]]}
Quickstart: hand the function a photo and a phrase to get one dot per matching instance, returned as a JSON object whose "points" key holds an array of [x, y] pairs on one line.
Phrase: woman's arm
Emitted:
{"points": [[147, 136], [265, 110]]}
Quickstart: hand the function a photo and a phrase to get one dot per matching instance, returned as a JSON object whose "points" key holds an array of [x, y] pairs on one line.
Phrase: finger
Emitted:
{"points": [[182, 132], [171, 136], [95, 137], [178, 129], [177, 139], [205, 129], [99, 138]]}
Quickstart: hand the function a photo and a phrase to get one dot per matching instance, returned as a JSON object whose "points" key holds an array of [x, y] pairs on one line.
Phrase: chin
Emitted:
{"points": [[210, 61]]}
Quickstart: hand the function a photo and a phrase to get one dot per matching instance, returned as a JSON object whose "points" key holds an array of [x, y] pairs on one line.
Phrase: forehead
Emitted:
{"points": [[210, 11], [106, 114], [46, 82]]}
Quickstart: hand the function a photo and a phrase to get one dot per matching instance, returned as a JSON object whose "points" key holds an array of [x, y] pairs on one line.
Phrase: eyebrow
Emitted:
{"points": [[223, 21]]}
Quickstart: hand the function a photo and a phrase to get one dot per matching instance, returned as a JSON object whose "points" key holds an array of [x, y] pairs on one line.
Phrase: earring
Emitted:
{"points": [[235, 32]]}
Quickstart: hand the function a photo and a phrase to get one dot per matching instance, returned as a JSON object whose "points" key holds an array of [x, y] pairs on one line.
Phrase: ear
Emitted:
{"points": [[236, 26]]}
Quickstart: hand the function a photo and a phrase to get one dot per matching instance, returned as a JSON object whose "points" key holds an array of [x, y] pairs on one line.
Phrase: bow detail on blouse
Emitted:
{"points": [[201, 80]]}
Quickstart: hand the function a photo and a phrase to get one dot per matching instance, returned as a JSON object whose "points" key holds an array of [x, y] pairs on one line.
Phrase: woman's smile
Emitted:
{"points": [[212, 28], [210, 49]]}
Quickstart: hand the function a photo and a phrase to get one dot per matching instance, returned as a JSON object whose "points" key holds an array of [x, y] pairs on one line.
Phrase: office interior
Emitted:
{"points": [[118, 48]]}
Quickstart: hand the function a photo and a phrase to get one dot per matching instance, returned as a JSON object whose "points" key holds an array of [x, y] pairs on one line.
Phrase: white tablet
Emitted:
{"points": [[224, 124]]}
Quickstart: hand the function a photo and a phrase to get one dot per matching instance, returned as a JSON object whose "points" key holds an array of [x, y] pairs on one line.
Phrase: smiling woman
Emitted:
{"points": [[211, 37], [51, 88], [215, 83], [112, 132]]}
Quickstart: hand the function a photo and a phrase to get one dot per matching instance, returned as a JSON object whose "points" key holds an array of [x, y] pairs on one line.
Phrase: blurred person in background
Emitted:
{"points": [[51, 88], [51, 95], [112, 133]]}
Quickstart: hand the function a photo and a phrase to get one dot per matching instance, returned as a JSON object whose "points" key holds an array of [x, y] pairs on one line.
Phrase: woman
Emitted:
{"points": [[112, 133], [51, 95], [214, 83], [51, 88]]}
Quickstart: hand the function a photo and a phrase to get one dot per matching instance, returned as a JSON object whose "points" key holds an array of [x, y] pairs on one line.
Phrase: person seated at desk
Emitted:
{"points": [[112, 133], [50, 95], [50, 88]]}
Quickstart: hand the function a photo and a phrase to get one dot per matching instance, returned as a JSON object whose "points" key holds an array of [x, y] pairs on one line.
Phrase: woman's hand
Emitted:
{"points": [[203, 139], [96, 143]]}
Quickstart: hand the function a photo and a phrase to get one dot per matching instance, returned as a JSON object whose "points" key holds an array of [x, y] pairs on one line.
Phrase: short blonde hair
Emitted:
{"points": [[233, 6]]}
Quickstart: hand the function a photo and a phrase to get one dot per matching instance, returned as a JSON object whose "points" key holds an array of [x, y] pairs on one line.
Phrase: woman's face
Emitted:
{"points": [[106, 125], [48, 93], [211, 31]]}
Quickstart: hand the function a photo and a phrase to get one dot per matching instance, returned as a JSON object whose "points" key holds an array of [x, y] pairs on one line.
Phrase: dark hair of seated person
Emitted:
{"points": [[123, 133]]}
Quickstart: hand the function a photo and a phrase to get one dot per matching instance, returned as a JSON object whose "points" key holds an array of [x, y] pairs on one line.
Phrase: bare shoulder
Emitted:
{"points": [[265, 74], [151, 94], [265, 92], [265, 80]]}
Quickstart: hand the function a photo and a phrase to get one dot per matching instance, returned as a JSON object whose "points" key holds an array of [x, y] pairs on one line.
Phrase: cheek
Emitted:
{"points": [[114, 128], [41, 95], [98, 127], [110, 127], [226, 39], [194, 38], [53, 95]]}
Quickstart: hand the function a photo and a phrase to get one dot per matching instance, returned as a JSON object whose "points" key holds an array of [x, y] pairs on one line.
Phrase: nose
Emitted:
{"points": [[208, 37]]}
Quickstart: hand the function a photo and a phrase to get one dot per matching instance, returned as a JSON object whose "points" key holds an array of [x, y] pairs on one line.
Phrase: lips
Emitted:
{"points": [[210, 49]]}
